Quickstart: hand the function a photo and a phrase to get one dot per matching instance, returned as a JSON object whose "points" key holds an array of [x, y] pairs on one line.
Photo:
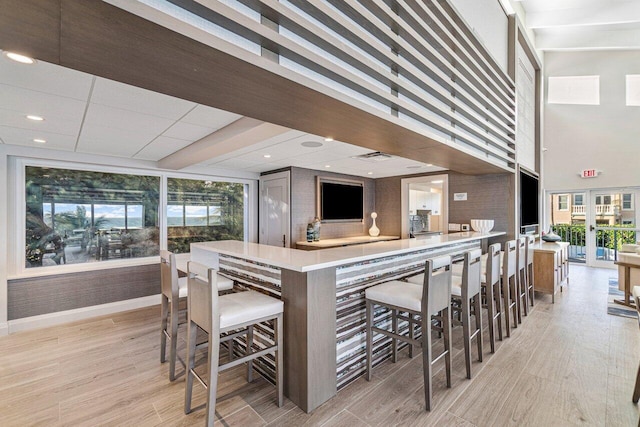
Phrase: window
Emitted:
{"points": [[633, 90], [603, 200], [581, 90], [77, 216], [578, 199], [627, 202], [563, 202], [199, 211]]}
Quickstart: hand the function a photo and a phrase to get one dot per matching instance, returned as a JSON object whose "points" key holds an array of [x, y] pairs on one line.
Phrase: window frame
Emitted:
{"points": [[631, 202], [566, 202], [17, 215]]}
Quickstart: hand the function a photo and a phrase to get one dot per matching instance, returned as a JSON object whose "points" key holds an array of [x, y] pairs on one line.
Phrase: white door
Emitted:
{"points": [[274, 210], [613, 221]]}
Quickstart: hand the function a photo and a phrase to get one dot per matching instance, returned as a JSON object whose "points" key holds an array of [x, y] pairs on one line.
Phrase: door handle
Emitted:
{"points": [[591, 228], [284, 240]]}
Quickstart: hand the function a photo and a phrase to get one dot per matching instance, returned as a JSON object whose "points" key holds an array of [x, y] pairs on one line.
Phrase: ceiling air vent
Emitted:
{"points": [[376, 156]]}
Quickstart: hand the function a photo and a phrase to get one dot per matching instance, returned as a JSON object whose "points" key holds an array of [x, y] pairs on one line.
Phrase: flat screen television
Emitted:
{"points": [[341, 201], [529, 202]]}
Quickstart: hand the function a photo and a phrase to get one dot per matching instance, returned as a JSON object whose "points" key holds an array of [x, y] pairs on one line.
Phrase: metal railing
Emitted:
{"points": [[608, 240]]}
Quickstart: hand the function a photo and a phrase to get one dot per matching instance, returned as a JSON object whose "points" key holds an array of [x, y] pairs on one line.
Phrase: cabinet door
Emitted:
{"points": [[413, 202]]}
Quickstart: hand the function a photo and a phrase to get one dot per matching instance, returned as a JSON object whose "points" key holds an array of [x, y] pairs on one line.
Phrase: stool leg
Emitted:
{"points": [[427, 357], [164, 313], [513, 286], [212, 383], [248, 352], [636, 390], [478, 315], [369, 314], [446, 328], [466, 334], [394, 341], [174, 339], [505, 303], [280, 360], [192, 332], [499, 310], [411, 335], [491, 305]]}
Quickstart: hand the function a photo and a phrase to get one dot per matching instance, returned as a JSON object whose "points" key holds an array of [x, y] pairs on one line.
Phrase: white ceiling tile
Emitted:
{"points": [[187, 131], [237, 164], [56, 141], [127, 97], [46, 78], [116, 118], [160, 148], [98, 139], [60, 125], [210, 117]]}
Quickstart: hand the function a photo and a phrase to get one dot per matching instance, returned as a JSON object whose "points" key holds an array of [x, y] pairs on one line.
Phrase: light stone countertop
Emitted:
{"points": [[303, 261]]}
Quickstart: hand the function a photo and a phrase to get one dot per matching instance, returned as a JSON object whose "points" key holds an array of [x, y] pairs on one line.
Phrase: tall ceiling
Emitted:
{"points": [[584, 24]]}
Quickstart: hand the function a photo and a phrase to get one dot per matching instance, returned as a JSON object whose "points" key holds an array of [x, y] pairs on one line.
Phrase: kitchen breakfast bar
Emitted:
{"points": [[323, 294]]}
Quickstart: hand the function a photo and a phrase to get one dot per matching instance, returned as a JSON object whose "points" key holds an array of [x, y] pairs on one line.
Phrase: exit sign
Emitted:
{"points": [[589, 173]]}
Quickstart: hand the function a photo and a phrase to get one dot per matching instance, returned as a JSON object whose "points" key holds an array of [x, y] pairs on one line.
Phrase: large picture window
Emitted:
{"points": [[76, 216], [199, 211]]}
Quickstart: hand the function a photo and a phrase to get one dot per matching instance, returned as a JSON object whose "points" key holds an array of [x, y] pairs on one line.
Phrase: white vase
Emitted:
{"points": [[374, 231]]}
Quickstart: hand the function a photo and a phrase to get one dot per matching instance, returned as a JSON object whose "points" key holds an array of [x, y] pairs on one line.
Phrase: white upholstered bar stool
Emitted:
{"points": [[510, 285], [432, 298], [173, 289], [466, 292], [521, 279], [492, 294], [234, 314], [530, 242], [636, 390]]}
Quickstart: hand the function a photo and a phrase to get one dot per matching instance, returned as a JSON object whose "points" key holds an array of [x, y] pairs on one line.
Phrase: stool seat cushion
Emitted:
{"points": [[224, 284], [182, 287], [636, 291], [397, 293], [245, 307], [418, 279], [456, 286]]}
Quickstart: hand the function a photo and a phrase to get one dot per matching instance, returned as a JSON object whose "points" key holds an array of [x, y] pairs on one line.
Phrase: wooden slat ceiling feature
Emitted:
{"points": [[100, 39]]}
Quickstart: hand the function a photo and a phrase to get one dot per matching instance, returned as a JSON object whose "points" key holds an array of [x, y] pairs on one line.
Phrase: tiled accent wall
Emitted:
{"points": [[303, 206]]}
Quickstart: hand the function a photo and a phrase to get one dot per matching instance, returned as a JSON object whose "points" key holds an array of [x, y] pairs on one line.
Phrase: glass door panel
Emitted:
{"points": [[568, 219]]}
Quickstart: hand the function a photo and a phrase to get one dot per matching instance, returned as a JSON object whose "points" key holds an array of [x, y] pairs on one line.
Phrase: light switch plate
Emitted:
{"points": [[454, 227], [465, 227]]}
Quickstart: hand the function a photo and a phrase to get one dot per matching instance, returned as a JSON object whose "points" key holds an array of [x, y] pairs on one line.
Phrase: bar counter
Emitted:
{"points": [[323, 292]]}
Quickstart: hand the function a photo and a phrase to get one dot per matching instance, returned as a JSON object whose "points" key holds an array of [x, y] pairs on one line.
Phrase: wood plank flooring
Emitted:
{"points": [[568, 363]]}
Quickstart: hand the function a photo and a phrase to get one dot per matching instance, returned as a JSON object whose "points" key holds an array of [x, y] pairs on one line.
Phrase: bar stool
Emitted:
{"points": [[234, 313], [523, 292], [636, 389], [491, 290], [174, 288], [530, 242], [466, 291], [510, 285], [426, 301]]}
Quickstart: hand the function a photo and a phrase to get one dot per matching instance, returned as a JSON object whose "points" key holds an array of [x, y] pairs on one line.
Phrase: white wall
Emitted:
{"points": [[4, 243], [604, 137], [489, 22]]}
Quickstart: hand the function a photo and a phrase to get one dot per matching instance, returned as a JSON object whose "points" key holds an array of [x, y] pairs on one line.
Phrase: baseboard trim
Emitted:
{"points": [[4, 329], [51, 319]]}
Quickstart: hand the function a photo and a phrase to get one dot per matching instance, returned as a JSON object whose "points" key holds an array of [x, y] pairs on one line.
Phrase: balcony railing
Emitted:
{"points": [[600, 209], [608, 242]]}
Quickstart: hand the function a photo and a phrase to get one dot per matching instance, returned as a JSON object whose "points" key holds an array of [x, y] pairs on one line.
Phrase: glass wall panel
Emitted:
{"points": [[75, 216], [200, 211]]}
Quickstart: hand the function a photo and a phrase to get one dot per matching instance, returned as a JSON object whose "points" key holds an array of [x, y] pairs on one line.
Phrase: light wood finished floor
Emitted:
{"points": [[568, 364]]}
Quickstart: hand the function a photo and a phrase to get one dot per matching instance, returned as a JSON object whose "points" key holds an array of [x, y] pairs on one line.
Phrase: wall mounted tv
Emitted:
{"points": [[529, 203], [340, 200]]}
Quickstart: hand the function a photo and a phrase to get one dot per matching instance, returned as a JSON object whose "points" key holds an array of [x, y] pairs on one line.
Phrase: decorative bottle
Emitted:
{"points": [[316, 229], [309, 233]]}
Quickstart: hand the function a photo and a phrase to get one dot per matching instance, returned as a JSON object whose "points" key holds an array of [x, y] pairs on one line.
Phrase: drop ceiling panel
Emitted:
{"points": [[187, 131], [238, 164], [61, 125], [46, 78], [127, 97], [161, 147], [108, 140], [209, 117], [25, 137]]}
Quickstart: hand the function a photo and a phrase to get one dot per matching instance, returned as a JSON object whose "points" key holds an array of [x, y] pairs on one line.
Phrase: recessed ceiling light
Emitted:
{"points": [[35, 118], [439, 181], [414, 167], [328, 139], [327, 166], [311, 144], [429, 164], [369, 173], [267, 156], [19, 58], [40, 141]]}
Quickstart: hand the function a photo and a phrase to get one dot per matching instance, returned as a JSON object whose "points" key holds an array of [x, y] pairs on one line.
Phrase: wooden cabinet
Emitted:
{"points": [[550, 267]]}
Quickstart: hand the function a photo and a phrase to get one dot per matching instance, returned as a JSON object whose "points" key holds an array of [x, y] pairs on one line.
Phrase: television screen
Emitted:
{"points": [[528, 200], [341, 201]]}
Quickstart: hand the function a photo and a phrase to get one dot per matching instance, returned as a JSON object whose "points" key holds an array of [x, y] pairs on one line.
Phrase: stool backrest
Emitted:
{"points": [[202, 304], [509, 262], [436, 292], [636, 297], [168, 274], [531, 240], [521, 259], [493, 265], [471, 271]]}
